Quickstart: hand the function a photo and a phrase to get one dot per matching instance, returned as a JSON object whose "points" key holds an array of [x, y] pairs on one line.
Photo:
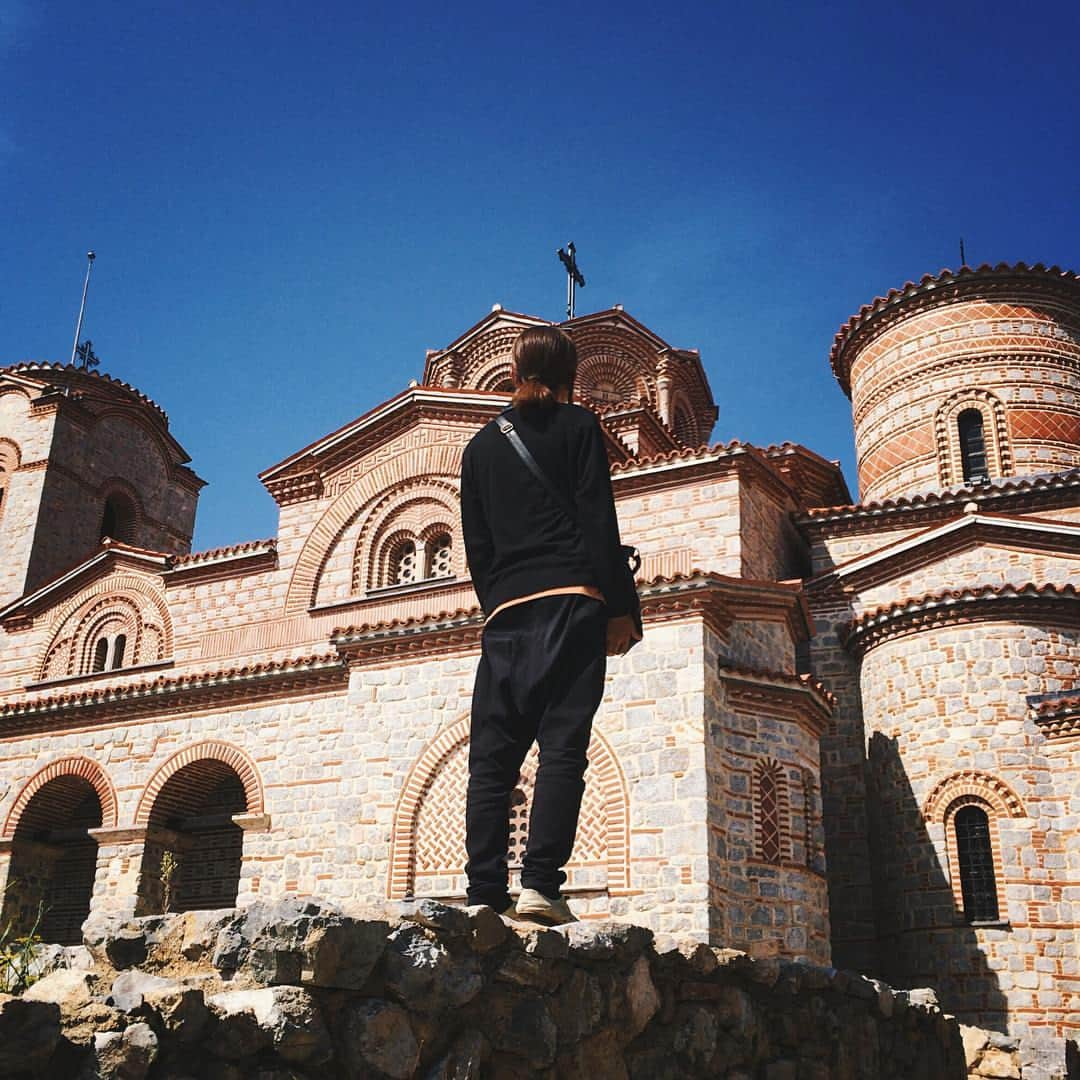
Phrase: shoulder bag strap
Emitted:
{"points": [[507, 428]]}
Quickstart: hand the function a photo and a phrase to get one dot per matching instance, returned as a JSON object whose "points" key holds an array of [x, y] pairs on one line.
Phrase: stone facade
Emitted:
{"points": [[826, 693]]}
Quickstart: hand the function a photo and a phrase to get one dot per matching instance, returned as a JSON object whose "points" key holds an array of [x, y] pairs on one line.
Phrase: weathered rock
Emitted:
{"points": [[578, 1008], [342, 955], [464, 1060], [522, 1027], [200, 930], [524, 970], [295, 1023], [542, 942], [452, 921], [924, 997], [71, 990], [643, 1002], [696, 1036], [127, 1054], [29, 1032], [606, 941], [598, 1058], [378, 1033], [129, 988], [422, 974], [487, 928], [182, 1012], [998, 1065], [235, 1033]]}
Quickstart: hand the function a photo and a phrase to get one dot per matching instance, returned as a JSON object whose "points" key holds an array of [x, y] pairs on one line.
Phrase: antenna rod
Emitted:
{"points": [[82, 307], [963, 259]]}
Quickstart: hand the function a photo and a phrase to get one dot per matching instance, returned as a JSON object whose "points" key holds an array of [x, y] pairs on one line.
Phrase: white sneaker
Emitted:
{"points": [[535, 907]]}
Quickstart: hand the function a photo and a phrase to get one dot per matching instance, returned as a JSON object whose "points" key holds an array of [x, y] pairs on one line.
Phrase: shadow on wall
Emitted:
{"points": [[924, 939]]}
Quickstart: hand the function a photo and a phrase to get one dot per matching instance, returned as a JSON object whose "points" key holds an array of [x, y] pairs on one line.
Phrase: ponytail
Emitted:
{"points": [[544, 359], [533, 394]]}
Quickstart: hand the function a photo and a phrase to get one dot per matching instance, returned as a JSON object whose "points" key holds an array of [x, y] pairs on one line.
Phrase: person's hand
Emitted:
{"points": [[620, 634]]}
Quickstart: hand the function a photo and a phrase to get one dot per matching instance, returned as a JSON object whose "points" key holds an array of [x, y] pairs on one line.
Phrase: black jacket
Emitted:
{"points": [[517, 539]]}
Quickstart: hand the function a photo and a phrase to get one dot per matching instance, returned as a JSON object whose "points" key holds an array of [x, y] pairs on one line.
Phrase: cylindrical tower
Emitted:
{"points": [[964, 377]]}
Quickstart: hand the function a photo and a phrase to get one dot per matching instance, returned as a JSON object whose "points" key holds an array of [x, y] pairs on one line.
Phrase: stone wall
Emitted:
{"points": [[301, 989], [948, 724]]}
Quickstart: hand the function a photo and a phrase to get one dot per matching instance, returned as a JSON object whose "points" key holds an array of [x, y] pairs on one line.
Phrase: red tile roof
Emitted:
{"points": [[71, 371], [945, 284]]}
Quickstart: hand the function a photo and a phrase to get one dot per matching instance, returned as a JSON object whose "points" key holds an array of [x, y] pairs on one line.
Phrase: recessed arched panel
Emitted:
{"points": [[428, 841]]}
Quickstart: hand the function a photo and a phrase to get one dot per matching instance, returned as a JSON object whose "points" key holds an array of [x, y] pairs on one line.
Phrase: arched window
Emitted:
{"points": [[439, 552], [101, 654], [9, 462], [118, 519], [975, 856], [109, 652], [403, 564], [972, 445]]}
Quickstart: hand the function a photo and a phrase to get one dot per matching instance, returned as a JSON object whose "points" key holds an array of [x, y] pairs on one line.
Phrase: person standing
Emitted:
{"points": [[555, 606]]}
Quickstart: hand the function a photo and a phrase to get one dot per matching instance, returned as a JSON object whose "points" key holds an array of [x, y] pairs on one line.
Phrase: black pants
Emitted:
{"points": [[541, 678]]}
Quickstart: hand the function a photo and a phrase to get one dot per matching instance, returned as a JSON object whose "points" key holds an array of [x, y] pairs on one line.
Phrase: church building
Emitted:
{"points": [[851, 735]]}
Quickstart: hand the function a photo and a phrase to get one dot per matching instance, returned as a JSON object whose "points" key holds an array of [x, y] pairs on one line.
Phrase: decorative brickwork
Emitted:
{"points": [[229, 755], [995, 429], [428, 844], [79, 767], [772, 839]]}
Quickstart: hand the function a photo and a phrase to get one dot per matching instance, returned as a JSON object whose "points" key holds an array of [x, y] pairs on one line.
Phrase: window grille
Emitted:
{"points": [[405, 564], [439, 553], [519, 827], [769, 844], [972, 445], [975, 856]]}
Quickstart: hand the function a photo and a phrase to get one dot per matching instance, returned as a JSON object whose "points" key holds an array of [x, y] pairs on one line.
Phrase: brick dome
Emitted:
{"points": [[964, 377]]}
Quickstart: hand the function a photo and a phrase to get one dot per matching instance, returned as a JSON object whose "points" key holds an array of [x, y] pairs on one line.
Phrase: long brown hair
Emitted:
{"points": [[545, 359]]}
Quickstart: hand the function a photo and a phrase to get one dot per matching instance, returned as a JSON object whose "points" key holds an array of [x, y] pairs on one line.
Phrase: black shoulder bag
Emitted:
{"points": [[631, 560]]}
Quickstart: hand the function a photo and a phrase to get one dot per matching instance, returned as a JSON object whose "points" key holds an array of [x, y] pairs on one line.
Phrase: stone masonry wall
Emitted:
{"points": [[332, 775], [947, 706]]}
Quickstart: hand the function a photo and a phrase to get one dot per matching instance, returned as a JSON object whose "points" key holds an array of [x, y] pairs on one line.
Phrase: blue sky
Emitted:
{"points": [[291, 202]]}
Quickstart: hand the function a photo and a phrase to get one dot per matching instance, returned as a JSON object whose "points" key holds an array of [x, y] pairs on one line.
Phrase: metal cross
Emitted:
{"points": [[85, 352], [573, 275]]}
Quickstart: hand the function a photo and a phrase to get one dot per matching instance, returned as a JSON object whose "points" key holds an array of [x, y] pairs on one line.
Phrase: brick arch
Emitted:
{"points": [[972, 784], [624, 374], [75, 621], [92, 623], [130, 588], [496, 377], [434, 460], [684, 419], [995, 433], [10, 455], [211, 750], [80, 767], [491, 350], [634, 356], [392, 513], [114, 486], [450, 748]]}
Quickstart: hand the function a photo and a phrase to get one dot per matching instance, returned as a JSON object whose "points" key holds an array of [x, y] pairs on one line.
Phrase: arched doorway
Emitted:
{"points": [[53, 861], [193, 848]]}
